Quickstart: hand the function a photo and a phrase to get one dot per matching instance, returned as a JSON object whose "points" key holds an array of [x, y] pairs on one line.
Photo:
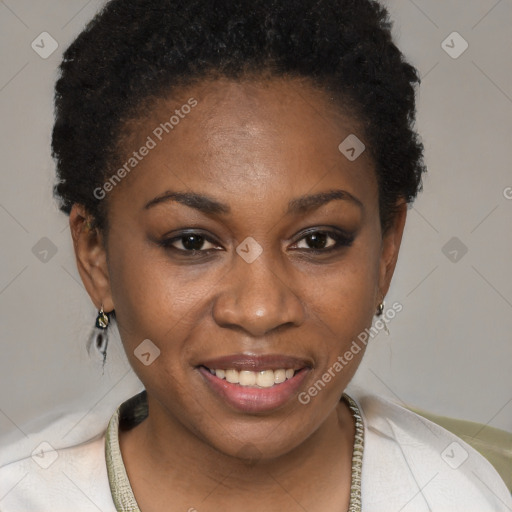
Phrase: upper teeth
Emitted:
{"points": [[263, 379]]}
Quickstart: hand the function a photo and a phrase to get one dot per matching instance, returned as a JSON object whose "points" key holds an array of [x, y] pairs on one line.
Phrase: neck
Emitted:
{"points": [[166, 451]]}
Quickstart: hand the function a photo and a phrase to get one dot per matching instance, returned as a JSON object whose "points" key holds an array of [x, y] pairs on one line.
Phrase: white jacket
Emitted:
{"points": [[409, 464]]}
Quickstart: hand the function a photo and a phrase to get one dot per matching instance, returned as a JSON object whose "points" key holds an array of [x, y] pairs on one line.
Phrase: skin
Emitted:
{"points": [[254, 146]]}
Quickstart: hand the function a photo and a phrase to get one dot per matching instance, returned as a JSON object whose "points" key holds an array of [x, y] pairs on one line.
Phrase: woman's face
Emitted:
{"points": [[269, 256]]}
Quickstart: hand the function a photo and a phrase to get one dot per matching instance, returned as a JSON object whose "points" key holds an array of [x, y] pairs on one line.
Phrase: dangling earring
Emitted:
{"points": [[380, 311], [99, 335], [102, 320]]}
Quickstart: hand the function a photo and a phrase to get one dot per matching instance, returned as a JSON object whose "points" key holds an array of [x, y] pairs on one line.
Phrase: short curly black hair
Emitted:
{"points": [[137, 50]]}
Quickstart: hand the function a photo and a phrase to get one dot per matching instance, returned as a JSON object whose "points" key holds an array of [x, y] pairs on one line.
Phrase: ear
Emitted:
{"points": [[91, 258], [391, 240]]}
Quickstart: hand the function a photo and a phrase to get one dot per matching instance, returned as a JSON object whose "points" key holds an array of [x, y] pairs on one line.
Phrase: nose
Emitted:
{"points": [[257, 298]]}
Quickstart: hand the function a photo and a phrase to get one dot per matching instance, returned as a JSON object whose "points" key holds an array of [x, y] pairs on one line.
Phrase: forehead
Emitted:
{"points": [[257, 138]]}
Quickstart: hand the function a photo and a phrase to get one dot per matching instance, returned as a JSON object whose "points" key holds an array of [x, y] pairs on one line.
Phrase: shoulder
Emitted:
{"points": [[72, 478], [411, 463]]}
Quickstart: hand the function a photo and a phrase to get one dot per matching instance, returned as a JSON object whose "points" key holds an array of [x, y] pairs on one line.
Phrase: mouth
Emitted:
{"points": [[261, 379], [255, 384]]}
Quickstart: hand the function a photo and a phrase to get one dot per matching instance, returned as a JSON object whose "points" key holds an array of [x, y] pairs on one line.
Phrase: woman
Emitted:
{"points": [[237, 176]]}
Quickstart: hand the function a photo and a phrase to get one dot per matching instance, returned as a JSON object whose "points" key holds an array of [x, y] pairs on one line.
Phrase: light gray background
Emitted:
{"points": [[450, 348]]}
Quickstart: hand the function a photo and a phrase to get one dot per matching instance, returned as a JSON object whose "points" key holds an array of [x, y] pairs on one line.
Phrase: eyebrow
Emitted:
{"points": [[210, 206], [200, 202], [308, 203]]}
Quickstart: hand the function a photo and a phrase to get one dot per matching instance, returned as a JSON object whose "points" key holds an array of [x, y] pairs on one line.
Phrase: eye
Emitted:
{"points": [[322, 241], [189, 242]]}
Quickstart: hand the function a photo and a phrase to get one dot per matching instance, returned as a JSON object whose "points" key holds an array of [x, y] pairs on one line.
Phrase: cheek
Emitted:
{"points": [[152, 304], [345, 294], [157, 300], [343, 306]]}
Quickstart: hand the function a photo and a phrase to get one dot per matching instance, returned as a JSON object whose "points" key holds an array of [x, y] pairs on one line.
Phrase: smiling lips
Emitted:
{"points": [[263, 371], [261, 379], [255, 383]]}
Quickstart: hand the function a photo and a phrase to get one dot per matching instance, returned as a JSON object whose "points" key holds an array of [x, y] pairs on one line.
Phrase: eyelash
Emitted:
{"points": [[341, 241]]}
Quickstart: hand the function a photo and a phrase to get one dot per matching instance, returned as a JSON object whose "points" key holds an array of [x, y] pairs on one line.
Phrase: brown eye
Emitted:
{"points": [[192, 242], [317, 240], [189, 242], [324, 241]]}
